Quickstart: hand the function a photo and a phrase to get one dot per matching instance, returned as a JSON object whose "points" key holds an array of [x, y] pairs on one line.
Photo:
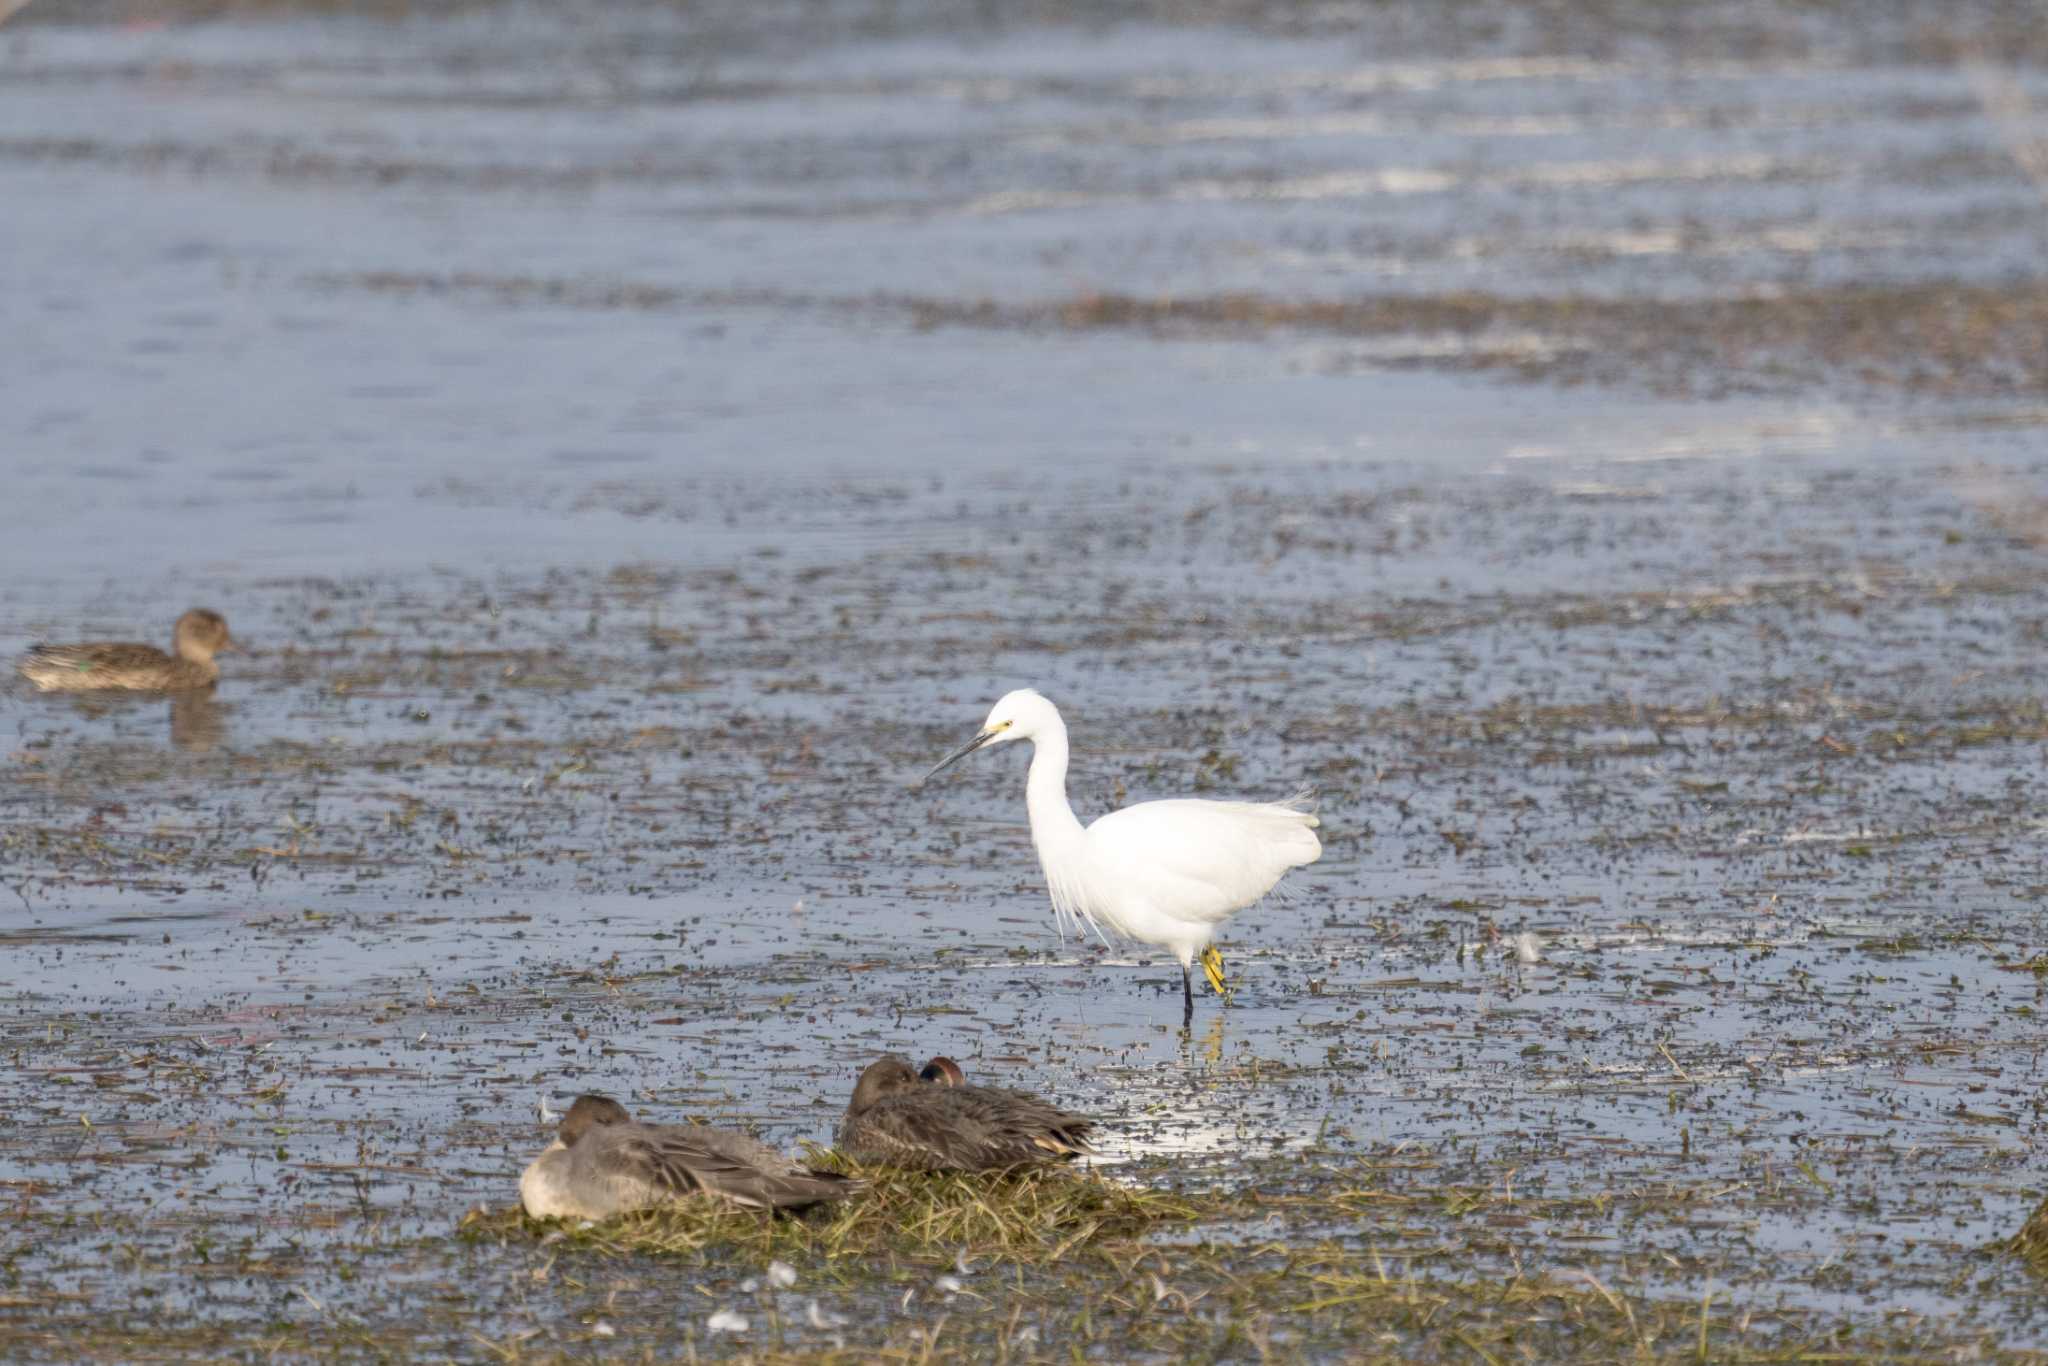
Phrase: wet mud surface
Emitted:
{"points": [[1772, 838], [631, 472]]}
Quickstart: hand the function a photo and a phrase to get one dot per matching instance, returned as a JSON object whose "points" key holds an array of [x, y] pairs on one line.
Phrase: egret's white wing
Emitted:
{"points": [[1200, 860]]}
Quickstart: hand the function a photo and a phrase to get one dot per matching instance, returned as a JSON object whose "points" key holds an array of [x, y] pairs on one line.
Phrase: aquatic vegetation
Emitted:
{"points": [[1035, 1215]]}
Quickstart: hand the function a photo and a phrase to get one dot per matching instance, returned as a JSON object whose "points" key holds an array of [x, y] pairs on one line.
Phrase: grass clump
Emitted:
{"points": [[1030, 1217], [2030, 1244]]}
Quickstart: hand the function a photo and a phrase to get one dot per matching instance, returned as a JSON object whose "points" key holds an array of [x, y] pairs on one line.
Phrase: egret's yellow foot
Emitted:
{"points": [[1212, 968]]}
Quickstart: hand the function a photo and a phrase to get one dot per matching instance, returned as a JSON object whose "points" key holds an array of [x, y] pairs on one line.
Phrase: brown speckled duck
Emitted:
{"points": [[937, 1122], [604, 1163], [197, 638]]}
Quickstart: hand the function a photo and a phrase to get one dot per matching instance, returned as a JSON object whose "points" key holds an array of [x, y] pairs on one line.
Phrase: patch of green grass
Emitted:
{"points": [[1031, 1217], [2030, 1244]]}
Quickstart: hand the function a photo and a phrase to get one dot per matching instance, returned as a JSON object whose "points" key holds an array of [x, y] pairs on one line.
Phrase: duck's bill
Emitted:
{"points": [[957, 755]]}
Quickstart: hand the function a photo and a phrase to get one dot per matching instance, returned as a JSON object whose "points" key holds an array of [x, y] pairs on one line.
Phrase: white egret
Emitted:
{"points": [[1165, 873]]}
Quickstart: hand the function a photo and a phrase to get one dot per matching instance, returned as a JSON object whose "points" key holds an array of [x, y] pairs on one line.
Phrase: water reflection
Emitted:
{"points": [[197, 721]]}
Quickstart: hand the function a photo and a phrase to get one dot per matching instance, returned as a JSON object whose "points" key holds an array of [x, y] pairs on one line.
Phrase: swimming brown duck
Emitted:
{"points": [[941, 1123], [197, 638], [603, 1163]]}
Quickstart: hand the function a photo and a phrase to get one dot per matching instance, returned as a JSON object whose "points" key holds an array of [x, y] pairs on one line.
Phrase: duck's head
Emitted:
{"points": [[200, 635], [590, 1112], [944, 1071], [879, 1078], [1019, 715]]}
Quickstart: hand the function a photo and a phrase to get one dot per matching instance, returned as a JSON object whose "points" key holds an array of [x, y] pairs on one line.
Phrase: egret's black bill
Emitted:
{"points": [[957, 755]]}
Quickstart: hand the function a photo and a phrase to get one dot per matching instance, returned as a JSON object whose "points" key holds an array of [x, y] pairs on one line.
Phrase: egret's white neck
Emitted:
{"points": [[1053, 822]]}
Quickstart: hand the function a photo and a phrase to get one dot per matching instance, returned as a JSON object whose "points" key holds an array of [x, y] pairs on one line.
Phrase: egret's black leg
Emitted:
{"points": [[1187, 997]]}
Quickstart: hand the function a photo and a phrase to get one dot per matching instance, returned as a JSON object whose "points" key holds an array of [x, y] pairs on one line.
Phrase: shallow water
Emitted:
{"points": [[550, 408]]}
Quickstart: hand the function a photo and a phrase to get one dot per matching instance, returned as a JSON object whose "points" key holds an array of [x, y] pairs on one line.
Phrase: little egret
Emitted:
{"points": [[603, 1163], [1165, 873]]}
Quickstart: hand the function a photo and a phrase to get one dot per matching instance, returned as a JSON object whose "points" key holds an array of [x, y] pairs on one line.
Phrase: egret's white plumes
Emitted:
{"points": [[1165, 873]]}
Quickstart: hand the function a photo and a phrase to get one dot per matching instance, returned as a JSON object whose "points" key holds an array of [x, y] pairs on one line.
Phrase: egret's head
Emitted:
{"points": [[1018, 716]]}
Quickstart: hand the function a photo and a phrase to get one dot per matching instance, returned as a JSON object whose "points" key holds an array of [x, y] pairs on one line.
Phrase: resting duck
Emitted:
{"points": [[603, 1163], [897, 1119], [197, 638]]}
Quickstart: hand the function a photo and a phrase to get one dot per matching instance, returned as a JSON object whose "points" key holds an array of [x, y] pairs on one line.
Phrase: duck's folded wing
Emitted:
{"points": [[57, 668], [1027, 1118], [106, 655], [677, 1162], [897, 1132]]}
